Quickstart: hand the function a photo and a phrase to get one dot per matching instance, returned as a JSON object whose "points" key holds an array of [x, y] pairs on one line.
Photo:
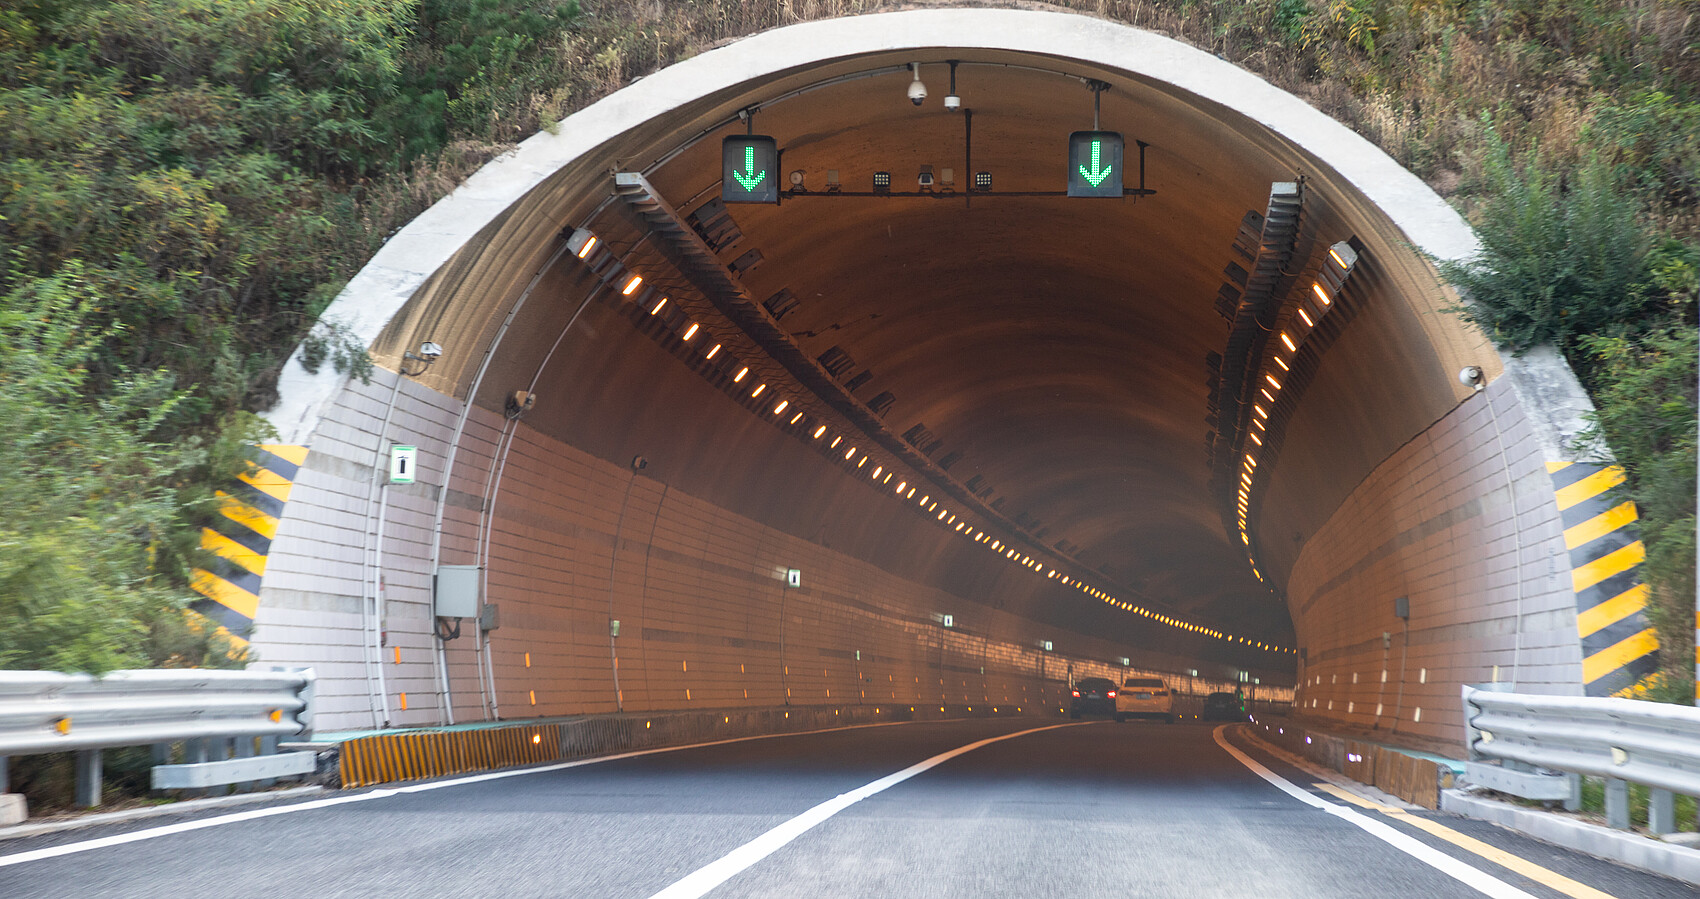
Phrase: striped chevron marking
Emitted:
{"points": [[1619, 649], [241, 536]]}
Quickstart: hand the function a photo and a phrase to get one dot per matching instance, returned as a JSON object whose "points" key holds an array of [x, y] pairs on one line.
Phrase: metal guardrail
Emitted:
{"points": [[45, 711], [1544, 743]]}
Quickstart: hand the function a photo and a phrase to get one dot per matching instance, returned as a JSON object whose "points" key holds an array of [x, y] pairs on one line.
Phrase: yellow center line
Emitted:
{"points": [[1492, 853]]}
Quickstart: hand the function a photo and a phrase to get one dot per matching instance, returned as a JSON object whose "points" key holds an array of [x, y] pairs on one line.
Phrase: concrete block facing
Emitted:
{"points": [[13, 809]]}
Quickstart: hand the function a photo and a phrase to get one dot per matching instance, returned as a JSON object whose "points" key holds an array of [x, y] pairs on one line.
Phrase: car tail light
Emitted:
{"points": [[1112, 694], [1077, 693]]}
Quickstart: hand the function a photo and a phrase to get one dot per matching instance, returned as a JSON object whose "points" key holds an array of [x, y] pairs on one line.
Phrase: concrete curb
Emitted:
{"points": [[1601, 842], [155, 811]]}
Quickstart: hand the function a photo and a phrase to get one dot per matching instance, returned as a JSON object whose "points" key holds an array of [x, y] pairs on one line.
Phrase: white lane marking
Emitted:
{"points": [[255, 814], [1458, 870], [717, 872]]}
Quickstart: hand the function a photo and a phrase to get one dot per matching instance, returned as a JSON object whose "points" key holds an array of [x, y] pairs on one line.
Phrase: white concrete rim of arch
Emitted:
{"points": [[380, 290]]}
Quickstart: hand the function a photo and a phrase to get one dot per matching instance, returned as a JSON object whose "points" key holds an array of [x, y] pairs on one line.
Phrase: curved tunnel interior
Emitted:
{"points": [[1046, 367]]}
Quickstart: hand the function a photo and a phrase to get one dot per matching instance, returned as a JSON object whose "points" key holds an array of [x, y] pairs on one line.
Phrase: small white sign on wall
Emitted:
{"points": [[403, 460], [793, 577]]}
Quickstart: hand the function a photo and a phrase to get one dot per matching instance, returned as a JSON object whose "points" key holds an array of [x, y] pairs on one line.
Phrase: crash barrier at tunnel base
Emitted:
{"points": [[227, 722], [1538, 747], [377, 758], [1415, 779]]}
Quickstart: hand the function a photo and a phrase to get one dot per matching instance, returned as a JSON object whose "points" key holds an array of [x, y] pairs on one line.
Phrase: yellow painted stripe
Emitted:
{"points": [[1353, 798], [244, 514], [1612, 658], [1514, 863], [268, 482], [225, 593], [286, 451], [1613, 563], [1599, 526], [1589, 487], [1612, 610], [232, 551], [1556, 467]]}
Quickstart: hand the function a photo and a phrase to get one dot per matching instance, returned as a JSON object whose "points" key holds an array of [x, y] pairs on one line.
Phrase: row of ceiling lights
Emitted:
{"points": [[583, 244], [1307, 311]]}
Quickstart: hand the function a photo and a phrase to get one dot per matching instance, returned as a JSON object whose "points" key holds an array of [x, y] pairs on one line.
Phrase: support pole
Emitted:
{"points": [[1661, 812], [1617, 803], [88, 778]]}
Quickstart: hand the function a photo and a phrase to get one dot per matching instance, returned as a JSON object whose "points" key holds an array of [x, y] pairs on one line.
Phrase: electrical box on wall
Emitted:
{"points": [[456, 591]]}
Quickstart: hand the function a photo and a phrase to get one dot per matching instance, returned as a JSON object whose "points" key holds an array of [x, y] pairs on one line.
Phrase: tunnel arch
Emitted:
{"points": [[1108, 444]]}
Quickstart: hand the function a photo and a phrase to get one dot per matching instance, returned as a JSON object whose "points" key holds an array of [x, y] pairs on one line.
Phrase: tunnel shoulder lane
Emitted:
{"points": [[1538, 867]]}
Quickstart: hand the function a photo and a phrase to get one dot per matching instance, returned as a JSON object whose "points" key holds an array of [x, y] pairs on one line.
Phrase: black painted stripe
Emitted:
{"points": [[1613, 634], [236, 575], [257, 499], [234, 621], [1602, 546], [1627, 676], [1575, 472], [1610, 588], [241, 533], [1589, 509], [276, 464]]}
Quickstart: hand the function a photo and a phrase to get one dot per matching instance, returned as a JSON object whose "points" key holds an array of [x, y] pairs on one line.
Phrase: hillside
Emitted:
{"points": [[185, 185]]}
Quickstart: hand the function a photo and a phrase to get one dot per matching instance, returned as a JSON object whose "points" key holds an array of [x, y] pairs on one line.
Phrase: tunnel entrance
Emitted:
{"points": [[925, 416]]}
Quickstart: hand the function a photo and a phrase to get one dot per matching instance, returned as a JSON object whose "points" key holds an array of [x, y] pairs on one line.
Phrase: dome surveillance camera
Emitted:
{"points": [[953, 102], [917, 90], [1471, 376]]}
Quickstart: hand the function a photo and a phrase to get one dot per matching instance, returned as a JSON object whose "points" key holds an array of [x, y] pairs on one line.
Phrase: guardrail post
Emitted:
{"points": [[1574, 803], [1661, 812], [88, 778], [1617, 803]]}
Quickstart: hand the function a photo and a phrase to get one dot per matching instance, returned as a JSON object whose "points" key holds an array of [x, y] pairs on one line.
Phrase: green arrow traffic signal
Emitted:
{"points": [[748, 177], [747, 164], [1097, 175], [1095, 164]]}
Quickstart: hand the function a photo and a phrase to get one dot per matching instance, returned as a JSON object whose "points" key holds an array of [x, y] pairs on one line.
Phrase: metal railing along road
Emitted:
{"points": [[1545, 743], [45, 712]]}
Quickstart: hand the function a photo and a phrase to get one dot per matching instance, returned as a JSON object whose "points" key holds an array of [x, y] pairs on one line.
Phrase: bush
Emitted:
{"points": [[1560, 257]]}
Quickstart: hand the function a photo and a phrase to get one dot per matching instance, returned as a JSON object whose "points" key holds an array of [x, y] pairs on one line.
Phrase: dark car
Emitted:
{"points": [[1093, 696], [1222, 707]]}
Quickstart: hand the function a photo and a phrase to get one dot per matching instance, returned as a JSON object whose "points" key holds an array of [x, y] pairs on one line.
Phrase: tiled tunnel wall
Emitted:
{"points": [[1484, 568], [698, 592]]}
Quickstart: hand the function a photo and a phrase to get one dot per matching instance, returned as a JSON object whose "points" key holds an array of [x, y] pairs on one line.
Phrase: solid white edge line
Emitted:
{"points": [[717, 872], [1458, 870], [166, 830]]}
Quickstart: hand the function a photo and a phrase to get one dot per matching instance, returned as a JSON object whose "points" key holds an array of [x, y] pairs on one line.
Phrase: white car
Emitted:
{"points": [[1145, 697]]}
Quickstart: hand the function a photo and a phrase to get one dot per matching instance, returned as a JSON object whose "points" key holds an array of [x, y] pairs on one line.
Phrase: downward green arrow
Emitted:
{"points": [[748, 177], [1097, 175]]}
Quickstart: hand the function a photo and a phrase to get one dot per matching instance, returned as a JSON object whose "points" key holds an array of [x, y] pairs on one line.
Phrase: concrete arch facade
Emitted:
{"points": [[1395, 480]]}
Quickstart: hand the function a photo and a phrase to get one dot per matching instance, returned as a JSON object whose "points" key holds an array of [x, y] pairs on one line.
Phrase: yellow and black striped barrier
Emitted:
{"points": [[241, 534], [1620, 650], [383, 758]]}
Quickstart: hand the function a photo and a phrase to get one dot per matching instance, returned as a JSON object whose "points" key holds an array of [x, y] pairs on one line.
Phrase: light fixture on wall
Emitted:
{"points": [[428, 353]]}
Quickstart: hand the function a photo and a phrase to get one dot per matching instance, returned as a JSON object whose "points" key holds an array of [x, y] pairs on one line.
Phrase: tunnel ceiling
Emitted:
{"points": [[1058, 345]]}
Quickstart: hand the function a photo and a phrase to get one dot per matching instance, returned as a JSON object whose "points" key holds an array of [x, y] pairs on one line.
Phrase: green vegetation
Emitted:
{"points": [[185, 184]]}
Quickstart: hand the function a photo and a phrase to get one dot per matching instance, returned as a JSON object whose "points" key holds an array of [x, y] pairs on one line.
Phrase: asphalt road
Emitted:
{"points": [[1088, 810]]}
